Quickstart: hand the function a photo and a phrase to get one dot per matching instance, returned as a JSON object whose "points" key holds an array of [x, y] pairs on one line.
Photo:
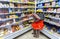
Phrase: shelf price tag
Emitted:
{"points": [[50, 33], [44, 6], [51, 0], [57, 5], [16, 0], [39, 11], [31, 3], [11, 0], [17, 22], [46, 16], [12, 13]]}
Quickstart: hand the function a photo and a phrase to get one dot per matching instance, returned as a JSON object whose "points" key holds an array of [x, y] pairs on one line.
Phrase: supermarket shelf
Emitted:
{"points": [[51, 7], [3, 13], [7, 25], [20, 12], [48, 12], [50, 34], [4, 1], [16, 22], [26, 19], [11, 24], [53, 23], [28, 7], [15, 13], [8, 8], [27, 11], [8, 19], [21, 8], [10, 13], [24, 2], [14, 7], [53, 17], [48, 7], [17, 33], [41, 11], [4, 7], [46, 1], [39, 7], [19, 2], [27, 3]]}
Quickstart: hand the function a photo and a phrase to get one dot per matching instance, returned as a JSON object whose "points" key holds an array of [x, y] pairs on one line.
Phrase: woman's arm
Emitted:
{"points": [[36, 16]]}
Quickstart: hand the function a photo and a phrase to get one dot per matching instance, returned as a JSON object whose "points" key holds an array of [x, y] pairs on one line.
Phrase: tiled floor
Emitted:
{"points": [[29, 35]]}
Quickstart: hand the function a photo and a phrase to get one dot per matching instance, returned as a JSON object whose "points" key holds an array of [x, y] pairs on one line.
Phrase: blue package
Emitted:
{"points": [[40, 5], [58, 30], [58, 3]]}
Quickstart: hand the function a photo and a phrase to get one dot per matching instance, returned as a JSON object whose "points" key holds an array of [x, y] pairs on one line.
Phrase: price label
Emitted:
{"points": [[11, 0], [57, 5], [26, 27], [31, 3], [44, 6], [16, 0], [51, 0], [47, 16], [17, 22], [50, 33], [32, 10], [12, 13]]}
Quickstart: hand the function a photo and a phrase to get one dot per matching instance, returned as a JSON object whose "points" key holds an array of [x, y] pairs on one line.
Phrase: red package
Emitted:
{"points": [[38, 25]]}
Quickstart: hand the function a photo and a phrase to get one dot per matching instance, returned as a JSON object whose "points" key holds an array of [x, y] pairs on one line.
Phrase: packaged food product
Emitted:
{"points": [[25, 18], [15, 28], [13, 16], [47, 4], [53, 4], [25, 23], [11, 5], [1, 32], [5, 31], [19, 5], [58, 10]]}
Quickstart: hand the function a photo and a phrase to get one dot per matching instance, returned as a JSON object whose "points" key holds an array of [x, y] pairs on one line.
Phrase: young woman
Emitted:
{"points": [[37, 25]]}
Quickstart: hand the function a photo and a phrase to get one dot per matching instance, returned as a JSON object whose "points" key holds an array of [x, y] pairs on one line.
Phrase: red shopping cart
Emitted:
{"points": [[37, 26]]}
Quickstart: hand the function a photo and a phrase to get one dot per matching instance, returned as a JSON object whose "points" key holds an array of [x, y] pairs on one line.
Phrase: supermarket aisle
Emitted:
{"points": [[28, 35]]}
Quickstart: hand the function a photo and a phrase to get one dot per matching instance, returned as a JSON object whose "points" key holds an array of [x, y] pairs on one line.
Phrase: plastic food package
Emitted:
{"points": [[58, 10], [15, 28], [3, 31], [53, 4]]}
